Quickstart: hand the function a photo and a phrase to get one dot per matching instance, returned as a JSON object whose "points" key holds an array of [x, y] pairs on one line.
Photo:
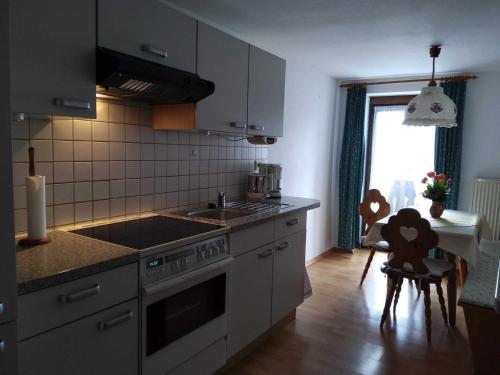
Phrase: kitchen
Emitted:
{"points": [[189, 174]]}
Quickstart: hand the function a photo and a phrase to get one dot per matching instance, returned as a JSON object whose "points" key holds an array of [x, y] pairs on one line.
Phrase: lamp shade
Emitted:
{"points": [[431, 108]]}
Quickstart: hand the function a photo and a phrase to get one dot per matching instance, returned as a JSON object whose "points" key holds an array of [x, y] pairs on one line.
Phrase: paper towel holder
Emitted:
{"points": [[28, 242]]}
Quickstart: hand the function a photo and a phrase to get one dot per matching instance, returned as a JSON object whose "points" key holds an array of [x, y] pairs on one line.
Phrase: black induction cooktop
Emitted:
{"points": [[147, 232]]}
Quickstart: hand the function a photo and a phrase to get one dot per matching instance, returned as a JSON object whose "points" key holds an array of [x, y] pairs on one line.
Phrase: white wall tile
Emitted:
{"points": [[172, 199], [183, 138], [20, 220], [147, 135], [172, 168], [116, 132], [147, 151], [146, 116], [43, 150], [40, 129], [133, 187], [132, 115], [116, 113], [82, 130], [19, 197], [160, 168], [194, 167], [83, 171], [147, 168], [133, 151], [117, 207], [194, 181], [62, 129], [116, 151], [117, 170], [100, 131], [172, 184], [63, 150], [63, 172], [183, 198], [101, 209], [20, 129], [133, 169], [147, 203], [83, 212], [133, 205], [82, 150], [160, 152], [160, 185], [83, 191], [183, 182], [20, 151], [160, 202], [49, 194], [100, 170], [172, 152], [147, 186], [184, 167], [64, 214], [100, 190], [63, 193], [117, 188], [102, 111], [132, 133], [100, 150]]}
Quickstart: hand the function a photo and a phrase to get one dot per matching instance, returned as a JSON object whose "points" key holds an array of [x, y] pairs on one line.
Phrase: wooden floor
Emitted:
{"points": [[337, 329]]}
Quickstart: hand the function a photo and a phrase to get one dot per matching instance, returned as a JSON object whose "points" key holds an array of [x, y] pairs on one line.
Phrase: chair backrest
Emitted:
{"points": [[365, 210], [410, 238]]}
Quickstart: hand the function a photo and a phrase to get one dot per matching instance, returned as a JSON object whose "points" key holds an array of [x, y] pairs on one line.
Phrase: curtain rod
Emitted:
{"points": [[445, 79]]}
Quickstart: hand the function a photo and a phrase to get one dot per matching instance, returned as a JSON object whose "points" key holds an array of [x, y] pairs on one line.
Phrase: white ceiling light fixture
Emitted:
{"points": [[431, 107]]}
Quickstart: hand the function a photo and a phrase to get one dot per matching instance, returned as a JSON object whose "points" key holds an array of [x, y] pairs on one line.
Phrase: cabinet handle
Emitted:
{"points": [[292, 222], [257, 127], [265, 253], [283, 246], [2, 346], [115, 321], [2, 308], [72, 297], [154, 50], [72, 103], [238, 125]]}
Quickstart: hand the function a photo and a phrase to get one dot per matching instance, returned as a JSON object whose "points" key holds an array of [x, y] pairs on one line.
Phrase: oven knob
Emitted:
{"points": [[215, 251], [183, 262]]}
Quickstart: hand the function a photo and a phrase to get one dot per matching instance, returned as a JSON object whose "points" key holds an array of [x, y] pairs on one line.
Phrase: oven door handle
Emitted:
{"points": [[170, 283]]}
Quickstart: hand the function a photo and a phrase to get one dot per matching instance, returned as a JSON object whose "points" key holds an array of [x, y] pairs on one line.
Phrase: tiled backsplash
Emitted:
{"points": [[117, 165]]}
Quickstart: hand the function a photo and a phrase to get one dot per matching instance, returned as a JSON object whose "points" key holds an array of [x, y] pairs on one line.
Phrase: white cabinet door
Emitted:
{"points": [[148, 29], [250, 283], [222, 59], [53, 57], [288, 275], [266, 93]]}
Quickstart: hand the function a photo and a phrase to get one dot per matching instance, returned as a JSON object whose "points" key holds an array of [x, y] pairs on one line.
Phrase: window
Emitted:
{"points": [[398, 156]]}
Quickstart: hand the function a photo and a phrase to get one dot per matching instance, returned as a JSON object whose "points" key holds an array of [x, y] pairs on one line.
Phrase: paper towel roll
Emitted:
{"points": [[35, 196]]}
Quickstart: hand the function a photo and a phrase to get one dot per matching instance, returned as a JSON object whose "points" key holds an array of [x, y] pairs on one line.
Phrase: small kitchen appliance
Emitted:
{"points": [[183, 277], [275, 171], [259, 186]]}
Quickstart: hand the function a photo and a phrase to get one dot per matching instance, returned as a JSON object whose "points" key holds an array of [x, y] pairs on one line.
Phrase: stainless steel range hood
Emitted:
{"points": [[128, 77]]}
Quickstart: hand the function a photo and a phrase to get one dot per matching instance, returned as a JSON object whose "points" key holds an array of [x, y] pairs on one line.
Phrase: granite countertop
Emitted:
{"points": [[297, 204], [67, 257]]}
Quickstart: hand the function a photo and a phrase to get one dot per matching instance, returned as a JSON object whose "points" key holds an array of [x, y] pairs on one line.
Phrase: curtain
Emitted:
{"points": [[351, 168], [448, 147], [448, 144]]}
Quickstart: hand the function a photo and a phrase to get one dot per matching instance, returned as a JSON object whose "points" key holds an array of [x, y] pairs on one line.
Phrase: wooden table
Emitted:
{"points": [[459, 234]]}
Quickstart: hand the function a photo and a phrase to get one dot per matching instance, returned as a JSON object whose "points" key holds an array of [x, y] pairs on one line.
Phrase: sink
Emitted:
{"points": [[219, 214]]}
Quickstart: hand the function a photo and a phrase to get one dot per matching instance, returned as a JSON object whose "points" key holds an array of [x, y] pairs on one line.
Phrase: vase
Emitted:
{"points": [[436, 209]]}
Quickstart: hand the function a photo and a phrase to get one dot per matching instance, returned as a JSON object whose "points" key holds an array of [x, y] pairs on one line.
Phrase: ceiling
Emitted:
{"points": [[364, 38]]}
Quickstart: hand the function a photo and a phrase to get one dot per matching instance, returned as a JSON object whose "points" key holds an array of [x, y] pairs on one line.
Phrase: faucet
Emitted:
{"points": [[221, 200]]}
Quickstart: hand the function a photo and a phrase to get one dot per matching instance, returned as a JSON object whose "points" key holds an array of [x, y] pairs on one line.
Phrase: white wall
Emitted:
{"points": [[305, 150], [481, 136]]}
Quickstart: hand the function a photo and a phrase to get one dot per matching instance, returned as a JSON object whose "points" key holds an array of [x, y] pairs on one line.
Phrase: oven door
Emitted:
{"points": [[183, 316]]}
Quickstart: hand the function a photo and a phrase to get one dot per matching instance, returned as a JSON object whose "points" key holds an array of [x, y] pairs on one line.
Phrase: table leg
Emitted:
{"points": [[451, 287], [463, 271]]}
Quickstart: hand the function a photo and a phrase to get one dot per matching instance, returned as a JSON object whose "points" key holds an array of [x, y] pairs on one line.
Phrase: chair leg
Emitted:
{"points": [[398, 291], [442, 303], [388, 299], [367, 266], [427, 302]]}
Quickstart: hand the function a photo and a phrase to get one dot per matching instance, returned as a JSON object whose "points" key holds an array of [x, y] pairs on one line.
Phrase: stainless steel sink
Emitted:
{"points": [[219, 214]]}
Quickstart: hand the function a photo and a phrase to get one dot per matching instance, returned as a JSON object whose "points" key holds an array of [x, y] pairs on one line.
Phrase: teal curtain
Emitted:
{"points": [[448, 147], [448, 143], [351, 169]]}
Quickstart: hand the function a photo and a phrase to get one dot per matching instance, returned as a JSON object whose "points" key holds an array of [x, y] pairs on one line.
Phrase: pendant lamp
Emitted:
{"points": [[431, 107]]}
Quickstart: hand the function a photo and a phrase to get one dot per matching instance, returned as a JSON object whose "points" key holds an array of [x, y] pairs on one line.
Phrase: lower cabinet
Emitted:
{"points": [[250, 289], [8, 348], [288, 274], [101, 344]]}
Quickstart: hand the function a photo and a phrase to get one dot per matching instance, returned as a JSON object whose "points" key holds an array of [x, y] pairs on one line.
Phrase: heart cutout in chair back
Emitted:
{"points": [[409, 234], [375, 206]]}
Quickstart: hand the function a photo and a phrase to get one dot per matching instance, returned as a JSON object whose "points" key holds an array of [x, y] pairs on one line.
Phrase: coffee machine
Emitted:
{"points": [[275, 171]]}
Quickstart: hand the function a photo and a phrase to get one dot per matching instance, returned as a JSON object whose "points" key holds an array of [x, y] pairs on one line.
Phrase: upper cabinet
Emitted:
{"points": [[53, 57], [150, 30], [223, 59], [266, 93]]}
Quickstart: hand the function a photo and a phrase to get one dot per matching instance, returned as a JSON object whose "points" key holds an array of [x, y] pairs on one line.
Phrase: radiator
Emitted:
{"points": [[486, 200]]}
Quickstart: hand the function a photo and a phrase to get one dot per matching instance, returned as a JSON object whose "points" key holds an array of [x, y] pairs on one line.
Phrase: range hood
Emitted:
{"points": [[128, 77]]}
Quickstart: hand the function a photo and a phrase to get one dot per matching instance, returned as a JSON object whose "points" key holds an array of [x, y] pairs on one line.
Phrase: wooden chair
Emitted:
{"points": [[370, 217], [410, 237]]}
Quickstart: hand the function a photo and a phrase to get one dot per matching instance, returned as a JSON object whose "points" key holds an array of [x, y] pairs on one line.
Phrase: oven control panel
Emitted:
{"points": [[173, 262]]}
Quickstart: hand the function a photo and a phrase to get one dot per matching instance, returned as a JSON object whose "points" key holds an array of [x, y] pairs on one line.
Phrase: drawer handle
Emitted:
{"points": [[154, 50], [238, 125], [116, 321], [292, 222], [2, 308], [283, 246], [72, 297], [257, 127], [265, 253], [2, 346], [72, 103]]}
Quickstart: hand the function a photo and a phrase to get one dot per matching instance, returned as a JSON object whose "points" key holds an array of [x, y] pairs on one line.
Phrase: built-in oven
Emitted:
{"points": [[184, 316]]}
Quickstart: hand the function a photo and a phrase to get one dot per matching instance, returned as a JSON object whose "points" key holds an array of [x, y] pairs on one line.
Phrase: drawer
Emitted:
{"points": [[53, 307], [101, 344], [251, 238], [290, 224]]}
